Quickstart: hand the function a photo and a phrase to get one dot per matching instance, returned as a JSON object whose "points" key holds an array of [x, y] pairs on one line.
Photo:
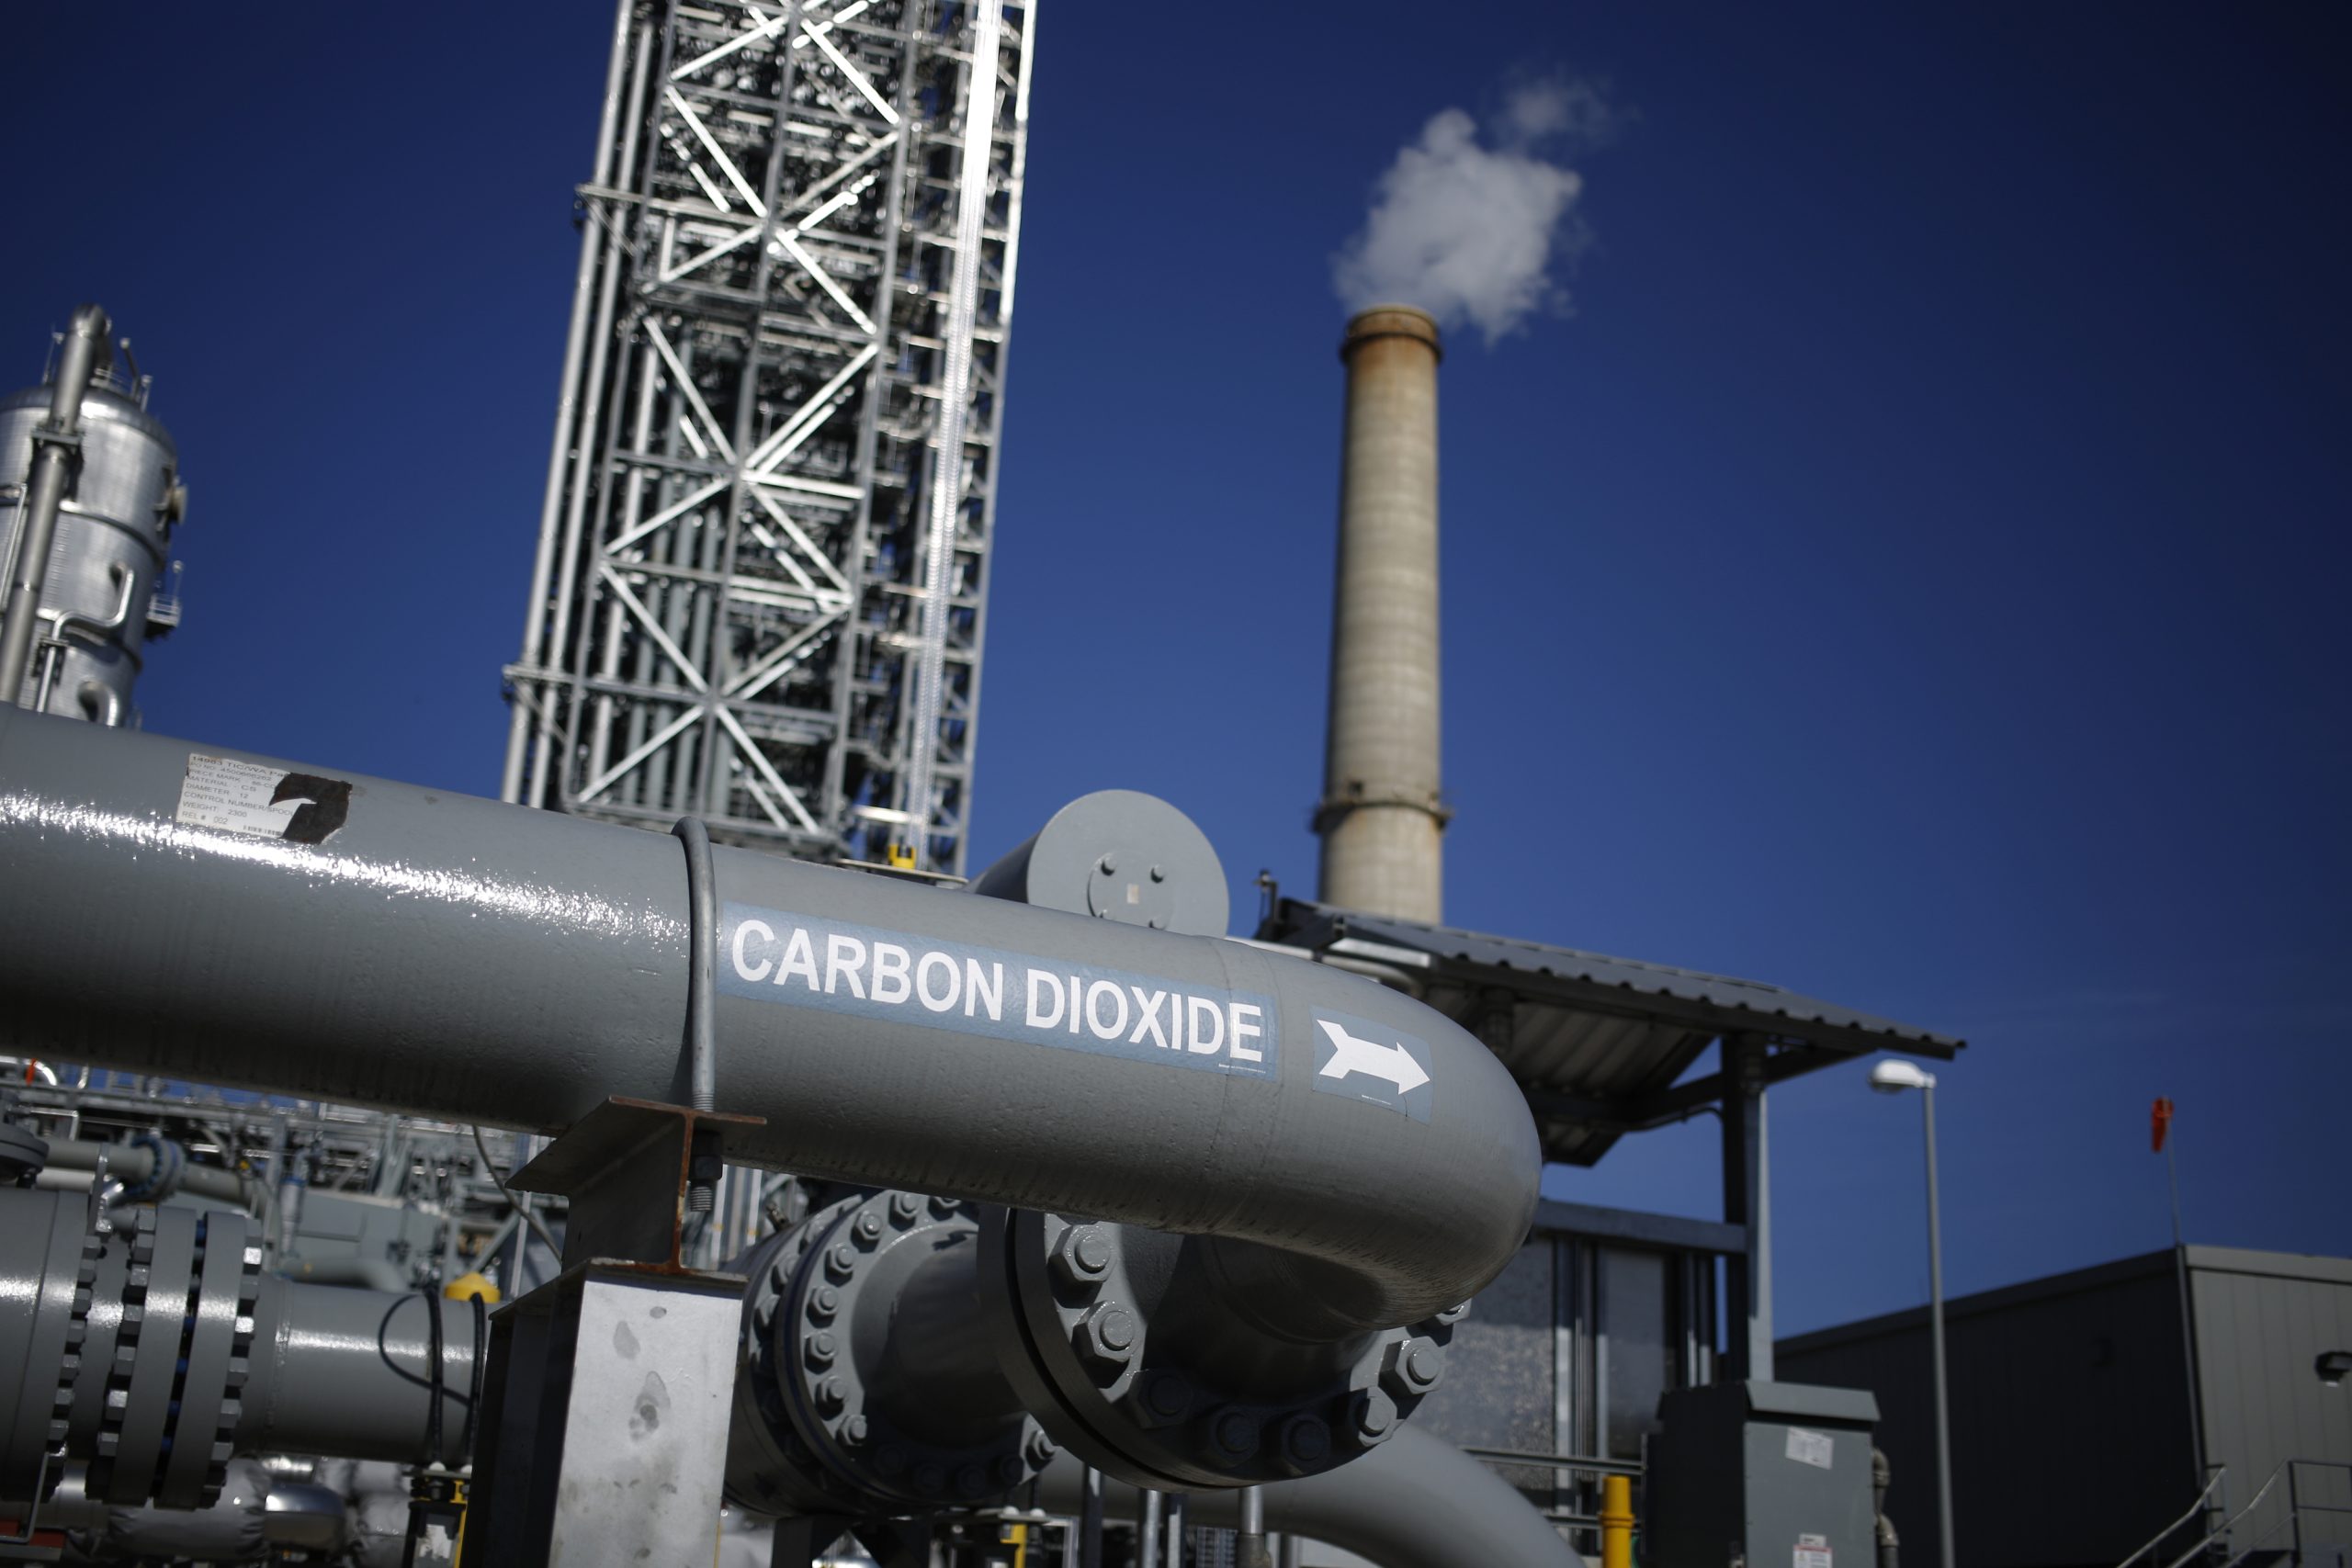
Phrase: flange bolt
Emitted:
{"points": [[820, 1349], [1373, 1414], [840, 1260], [1082, 1256], [831, 1394], [1107, 1336], [1039, 1449], [1168, 1395], [869, 1226], [823, 1301], [1411, 1367], [904, 1207], [854, 1430], [1234, 1434], [1307, 1441]]}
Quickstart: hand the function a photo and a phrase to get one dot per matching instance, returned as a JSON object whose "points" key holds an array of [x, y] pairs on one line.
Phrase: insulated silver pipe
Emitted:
{"points": [[173, 908], [1249, 1551], [1382, 816], [351, 1373], [134, 1166], [44, 492], [1414, 1502]]}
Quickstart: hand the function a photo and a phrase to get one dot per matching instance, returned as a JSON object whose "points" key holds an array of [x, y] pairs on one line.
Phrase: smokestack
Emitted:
{"points": [[1381, 817]]}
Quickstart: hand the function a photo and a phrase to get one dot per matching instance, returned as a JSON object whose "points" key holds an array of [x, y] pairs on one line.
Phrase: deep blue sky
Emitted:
{"points": [[1913, 575]]}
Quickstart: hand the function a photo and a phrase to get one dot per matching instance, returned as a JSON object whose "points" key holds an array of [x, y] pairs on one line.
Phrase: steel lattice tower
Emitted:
{"points": [[760, 584]]}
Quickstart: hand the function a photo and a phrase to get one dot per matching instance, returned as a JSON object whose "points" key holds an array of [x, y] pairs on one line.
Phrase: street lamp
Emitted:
{"points": [[1892, 1076]]}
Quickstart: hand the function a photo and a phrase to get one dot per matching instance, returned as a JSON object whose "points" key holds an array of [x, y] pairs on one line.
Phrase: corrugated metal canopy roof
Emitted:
{"points": [[1596, 1042]]}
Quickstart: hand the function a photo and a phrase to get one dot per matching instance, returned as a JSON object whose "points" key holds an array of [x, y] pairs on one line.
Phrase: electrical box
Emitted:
{"points": [[1761, 1475]]}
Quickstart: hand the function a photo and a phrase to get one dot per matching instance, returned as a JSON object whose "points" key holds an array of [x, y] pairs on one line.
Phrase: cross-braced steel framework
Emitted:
{"points": [[763, 564]]}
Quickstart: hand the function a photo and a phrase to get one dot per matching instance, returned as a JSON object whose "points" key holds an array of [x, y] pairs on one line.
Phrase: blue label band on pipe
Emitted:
{"points": [[771, 955]]}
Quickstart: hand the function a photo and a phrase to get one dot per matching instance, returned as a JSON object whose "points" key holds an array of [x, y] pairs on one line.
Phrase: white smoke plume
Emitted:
{"points": [[1469, 231]]}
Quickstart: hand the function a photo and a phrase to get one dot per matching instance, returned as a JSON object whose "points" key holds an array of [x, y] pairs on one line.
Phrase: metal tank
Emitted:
{"points": [[105, 589]]}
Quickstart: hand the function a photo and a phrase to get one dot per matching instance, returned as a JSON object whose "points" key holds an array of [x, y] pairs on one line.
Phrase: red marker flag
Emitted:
{"points": [[2159, 1124]]}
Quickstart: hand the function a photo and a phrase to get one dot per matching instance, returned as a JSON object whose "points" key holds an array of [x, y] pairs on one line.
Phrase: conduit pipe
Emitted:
{"points": [[135, 1165], [54, 444], [1414, 1502], [374, 943]]}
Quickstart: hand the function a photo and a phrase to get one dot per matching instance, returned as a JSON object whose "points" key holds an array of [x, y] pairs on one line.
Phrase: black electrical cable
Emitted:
{"points": [[433, 1420], [482, 1358], [546, 1238]]}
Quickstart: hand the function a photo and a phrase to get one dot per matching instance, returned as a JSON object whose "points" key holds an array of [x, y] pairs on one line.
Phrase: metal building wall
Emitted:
{"points": [[759, 594], [2263, 1320], [2071, 1436], [1535, 1368]]}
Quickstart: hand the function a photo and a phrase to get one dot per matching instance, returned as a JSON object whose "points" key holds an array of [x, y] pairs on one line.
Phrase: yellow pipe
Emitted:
{"points": [[1616, 1521]]}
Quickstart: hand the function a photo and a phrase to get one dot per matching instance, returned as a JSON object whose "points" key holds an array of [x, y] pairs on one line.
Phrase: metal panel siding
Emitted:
{"points": [[2259, 1337], [1498, 1391], [2055, 1398]]}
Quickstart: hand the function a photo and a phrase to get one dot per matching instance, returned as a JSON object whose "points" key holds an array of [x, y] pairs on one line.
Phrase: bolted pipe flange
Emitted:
{"points": [[1139, 1353], [835, 1409], [143, 1342]]}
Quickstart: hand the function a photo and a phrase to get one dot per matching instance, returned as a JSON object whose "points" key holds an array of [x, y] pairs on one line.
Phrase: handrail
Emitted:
{"points": [[2194, 1508], [1555, 1461], [2229, 1524]]}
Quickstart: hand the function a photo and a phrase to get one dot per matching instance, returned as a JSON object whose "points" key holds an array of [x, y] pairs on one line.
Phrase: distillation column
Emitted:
{"points": [[1381, 817]]}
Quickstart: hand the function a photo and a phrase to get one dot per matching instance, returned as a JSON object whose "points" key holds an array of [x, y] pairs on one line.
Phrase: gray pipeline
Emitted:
{"points": [[1414, 1502], [349, 1373], [378, 943], [134, 1165]]}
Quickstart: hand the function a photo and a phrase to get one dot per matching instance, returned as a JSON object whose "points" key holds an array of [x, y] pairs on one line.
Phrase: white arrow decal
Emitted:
{"points": [[1350, 1054]]}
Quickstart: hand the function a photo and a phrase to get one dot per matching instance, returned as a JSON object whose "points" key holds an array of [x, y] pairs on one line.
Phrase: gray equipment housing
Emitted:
{"points": [[100, 596], [1761, 1474], [1121, 855]]}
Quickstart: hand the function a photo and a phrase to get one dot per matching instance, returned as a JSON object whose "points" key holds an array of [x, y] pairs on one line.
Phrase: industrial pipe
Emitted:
{"points": [[377, 1273], [156, 1353], [174, 909], [136, 1166], [52, 469], [350, 1373], [255, 1514], [1414, 1502]]}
